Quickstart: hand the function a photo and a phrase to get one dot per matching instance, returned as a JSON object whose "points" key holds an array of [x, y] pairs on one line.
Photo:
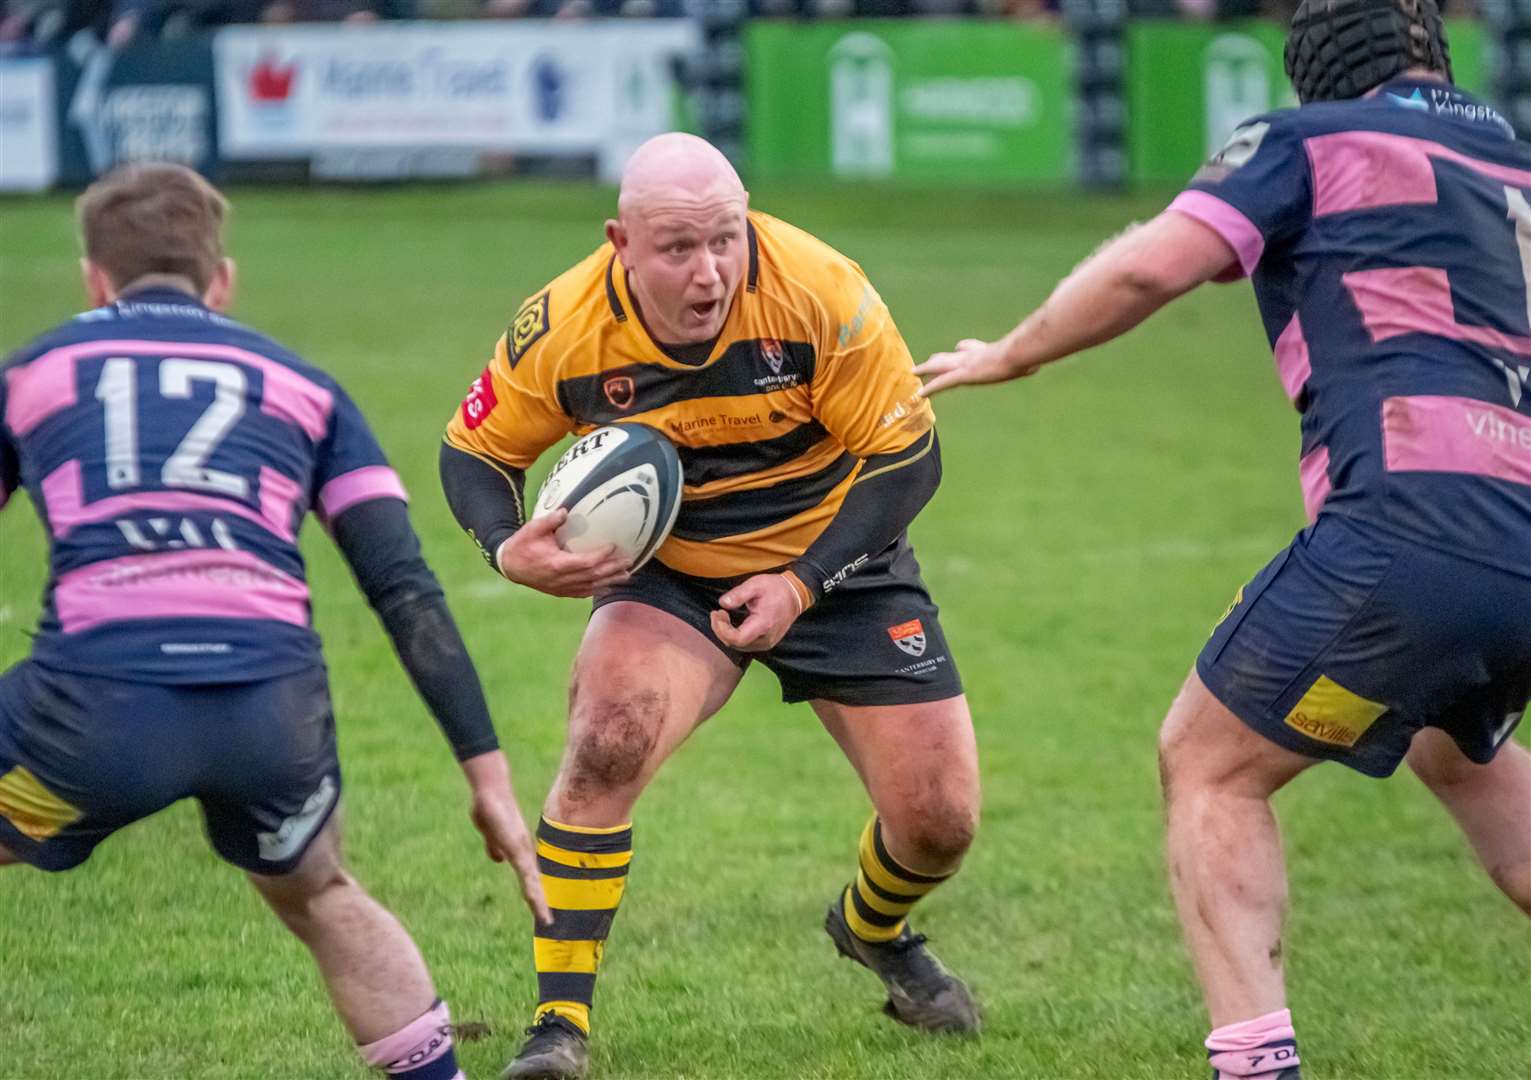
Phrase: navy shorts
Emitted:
{"points": [[875, 640], [1349, 642], [82, 756]]}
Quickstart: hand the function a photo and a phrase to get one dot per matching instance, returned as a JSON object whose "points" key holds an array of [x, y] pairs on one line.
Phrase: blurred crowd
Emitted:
{"points": [[118, 22], [43, 22]]}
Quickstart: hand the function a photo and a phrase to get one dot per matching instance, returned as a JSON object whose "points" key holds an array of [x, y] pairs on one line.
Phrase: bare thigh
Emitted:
{"points": [[320, 868], [1203, 745], [643, 681], [1491, 803], [1437, 760], [919, 764]]}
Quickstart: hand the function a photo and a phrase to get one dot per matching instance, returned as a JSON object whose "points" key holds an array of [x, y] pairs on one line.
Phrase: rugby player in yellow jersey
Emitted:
{"points": [[772, 364]]}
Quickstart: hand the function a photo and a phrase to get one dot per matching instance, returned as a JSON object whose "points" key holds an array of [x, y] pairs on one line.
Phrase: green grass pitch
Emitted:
{"points": [[1093, 524]]}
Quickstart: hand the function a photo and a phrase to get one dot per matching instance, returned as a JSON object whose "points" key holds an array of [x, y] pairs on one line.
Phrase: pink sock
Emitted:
{"points": [[420, 1050], [1263, 1046]]}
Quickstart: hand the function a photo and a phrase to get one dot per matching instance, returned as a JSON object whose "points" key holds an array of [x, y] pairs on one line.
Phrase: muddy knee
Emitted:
{"points": [[612, 739], [934, 835]]}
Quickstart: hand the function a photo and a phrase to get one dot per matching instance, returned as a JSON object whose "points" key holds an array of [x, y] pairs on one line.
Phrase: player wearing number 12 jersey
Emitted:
{"points": [[1387, 230], [172, 455]]}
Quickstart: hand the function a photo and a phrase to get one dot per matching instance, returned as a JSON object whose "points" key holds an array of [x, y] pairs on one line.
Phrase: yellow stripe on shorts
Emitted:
{"points": [[36, 812]]}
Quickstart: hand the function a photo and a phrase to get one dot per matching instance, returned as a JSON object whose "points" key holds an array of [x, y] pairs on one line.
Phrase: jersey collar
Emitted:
{"points": [[161, 294]]}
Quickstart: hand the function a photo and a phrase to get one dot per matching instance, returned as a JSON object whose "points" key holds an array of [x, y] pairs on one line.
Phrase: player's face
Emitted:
{"points": [[685, 263]]}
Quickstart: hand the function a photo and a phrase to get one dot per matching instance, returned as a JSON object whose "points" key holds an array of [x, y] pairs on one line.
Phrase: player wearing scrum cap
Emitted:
{"points": [[775, 368], [1387, 229]]}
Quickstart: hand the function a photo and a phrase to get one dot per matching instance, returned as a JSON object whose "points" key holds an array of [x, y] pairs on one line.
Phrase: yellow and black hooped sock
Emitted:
{"points": [[883, 892], [584, 871]]}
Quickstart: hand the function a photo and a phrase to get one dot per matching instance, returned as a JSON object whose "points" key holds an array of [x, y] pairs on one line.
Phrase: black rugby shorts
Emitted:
{"points": [[874, 640]]}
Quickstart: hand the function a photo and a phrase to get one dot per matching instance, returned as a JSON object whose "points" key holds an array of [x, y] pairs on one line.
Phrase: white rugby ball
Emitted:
{"points": [[621, 485]]}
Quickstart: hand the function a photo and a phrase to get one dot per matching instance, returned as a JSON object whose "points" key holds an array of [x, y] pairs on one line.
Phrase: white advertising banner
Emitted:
{"points": [[28, 125], [526, 87]]}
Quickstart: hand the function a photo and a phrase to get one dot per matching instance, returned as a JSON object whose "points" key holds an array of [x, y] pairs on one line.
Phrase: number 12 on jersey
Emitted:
{"points": [[186, 467]]}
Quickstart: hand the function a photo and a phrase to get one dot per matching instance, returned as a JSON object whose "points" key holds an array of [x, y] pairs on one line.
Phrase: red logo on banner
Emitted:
{"points": [[270, 82], [480, 401]]}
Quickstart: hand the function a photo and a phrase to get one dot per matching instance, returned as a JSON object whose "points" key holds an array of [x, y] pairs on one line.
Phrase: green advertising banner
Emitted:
{"points": [[1190, 84], [916, 99]]}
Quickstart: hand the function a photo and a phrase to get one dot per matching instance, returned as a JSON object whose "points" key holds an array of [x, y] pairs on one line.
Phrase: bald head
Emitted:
{"points": [[681, 232], [677, 171]]}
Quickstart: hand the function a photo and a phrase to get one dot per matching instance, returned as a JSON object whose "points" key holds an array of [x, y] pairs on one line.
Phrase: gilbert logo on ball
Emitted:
{"points": [[621, 485]]}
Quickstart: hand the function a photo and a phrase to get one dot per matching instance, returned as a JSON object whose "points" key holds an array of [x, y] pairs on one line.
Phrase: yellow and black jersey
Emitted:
{"points": [[808, 377]]}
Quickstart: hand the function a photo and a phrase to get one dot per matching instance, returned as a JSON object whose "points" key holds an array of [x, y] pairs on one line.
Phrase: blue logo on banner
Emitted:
{"points": [[548, 88]]}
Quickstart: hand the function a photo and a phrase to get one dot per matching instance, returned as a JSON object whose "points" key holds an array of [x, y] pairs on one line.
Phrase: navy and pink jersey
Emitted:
{"points": [[1389, 242], [172, 455]]}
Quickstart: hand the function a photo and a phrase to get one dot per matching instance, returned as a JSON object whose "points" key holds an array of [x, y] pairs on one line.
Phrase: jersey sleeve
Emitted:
{"points": [[1256, 191], [350, 466], [511, 413], [865, 392]]}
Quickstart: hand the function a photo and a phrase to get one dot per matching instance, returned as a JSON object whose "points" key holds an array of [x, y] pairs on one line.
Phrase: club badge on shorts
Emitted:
{"points": [[909, 636]]}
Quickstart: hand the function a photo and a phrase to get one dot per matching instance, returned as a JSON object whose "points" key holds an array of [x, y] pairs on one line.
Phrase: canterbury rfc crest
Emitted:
{"points": [[909, 636]]}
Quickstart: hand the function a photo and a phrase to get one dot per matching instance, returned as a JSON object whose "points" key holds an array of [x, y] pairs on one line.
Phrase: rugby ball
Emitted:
{"points": [[621, 485]]}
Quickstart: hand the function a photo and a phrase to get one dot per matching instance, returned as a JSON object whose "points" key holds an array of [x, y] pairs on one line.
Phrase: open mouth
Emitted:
{"points": [[704, 310]]}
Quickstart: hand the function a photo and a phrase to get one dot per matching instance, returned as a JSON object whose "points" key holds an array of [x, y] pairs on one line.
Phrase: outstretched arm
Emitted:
{"points": [[381, 547], [1119, 286]]}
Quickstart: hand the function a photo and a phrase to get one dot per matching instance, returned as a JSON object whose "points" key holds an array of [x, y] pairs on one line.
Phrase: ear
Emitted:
{"points": [[99, 289], [618, 237], [220, 291]]}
